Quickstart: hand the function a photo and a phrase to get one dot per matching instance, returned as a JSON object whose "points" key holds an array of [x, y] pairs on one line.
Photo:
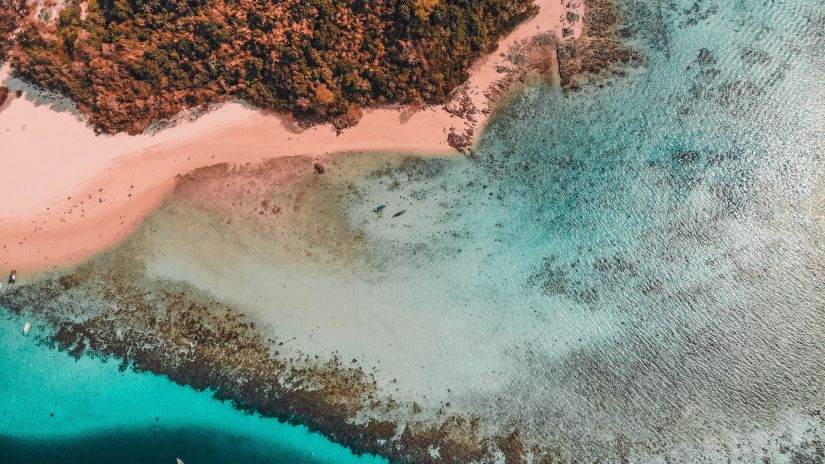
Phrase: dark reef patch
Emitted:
{"points": [[599, 50], [698, 11]]}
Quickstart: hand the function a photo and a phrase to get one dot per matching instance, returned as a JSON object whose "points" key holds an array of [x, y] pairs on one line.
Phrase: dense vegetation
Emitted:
{"points": [[128, 63], [12, 14]]}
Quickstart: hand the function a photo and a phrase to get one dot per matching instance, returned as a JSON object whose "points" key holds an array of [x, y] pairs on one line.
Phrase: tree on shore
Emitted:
{"points": [[12, 15], [129, 63]]}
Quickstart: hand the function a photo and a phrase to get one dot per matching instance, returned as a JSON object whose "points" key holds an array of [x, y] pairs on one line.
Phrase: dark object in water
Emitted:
{"points": [[399, 213], [379, 208], [319, 168]]}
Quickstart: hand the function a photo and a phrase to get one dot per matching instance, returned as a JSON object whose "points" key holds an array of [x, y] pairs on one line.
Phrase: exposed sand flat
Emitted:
{"points": [[68, 193]]}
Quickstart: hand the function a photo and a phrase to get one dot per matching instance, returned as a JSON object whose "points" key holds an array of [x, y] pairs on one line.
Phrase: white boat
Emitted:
{"points": [[179, 461], [26, 327]]}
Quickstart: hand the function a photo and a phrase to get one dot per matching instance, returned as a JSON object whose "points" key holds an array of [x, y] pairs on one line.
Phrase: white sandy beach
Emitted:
{"points": [[68, 193]]}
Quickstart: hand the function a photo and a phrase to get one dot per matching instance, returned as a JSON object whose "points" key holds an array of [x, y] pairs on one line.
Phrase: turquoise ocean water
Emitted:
{"points": [[58, 409]]}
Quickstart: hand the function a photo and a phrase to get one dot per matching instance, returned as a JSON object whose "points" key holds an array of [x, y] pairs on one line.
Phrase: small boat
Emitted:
{"points": [[26, 327], [179, 460]]}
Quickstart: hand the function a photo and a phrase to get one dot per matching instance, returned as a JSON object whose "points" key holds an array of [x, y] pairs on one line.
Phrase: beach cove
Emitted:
{"points": [[73, 193]]}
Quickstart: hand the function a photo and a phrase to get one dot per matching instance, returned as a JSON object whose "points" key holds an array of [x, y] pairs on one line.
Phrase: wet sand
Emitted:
{"points": [[69, 193]]}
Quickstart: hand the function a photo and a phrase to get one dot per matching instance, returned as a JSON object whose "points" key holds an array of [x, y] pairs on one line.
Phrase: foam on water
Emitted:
{"points": [[57, 409]]}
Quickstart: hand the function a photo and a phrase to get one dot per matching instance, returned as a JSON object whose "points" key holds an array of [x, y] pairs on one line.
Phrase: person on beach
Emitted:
{"points": [[12, 277]]}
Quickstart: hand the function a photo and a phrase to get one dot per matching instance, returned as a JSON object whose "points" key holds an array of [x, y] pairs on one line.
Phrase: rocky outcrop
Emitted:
{"points": [[598, 51]]}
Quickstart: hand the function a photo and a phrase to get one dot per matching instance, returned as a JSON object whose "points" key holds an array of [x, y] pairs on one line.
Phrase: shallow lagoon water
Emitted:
{"points": [[635, 268], [58, 409]]}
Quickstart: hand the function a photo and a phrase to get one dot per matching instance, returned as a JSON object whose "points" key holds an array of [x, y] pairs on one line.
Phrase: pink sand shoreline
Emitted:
{"points": [[68, 193]]}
